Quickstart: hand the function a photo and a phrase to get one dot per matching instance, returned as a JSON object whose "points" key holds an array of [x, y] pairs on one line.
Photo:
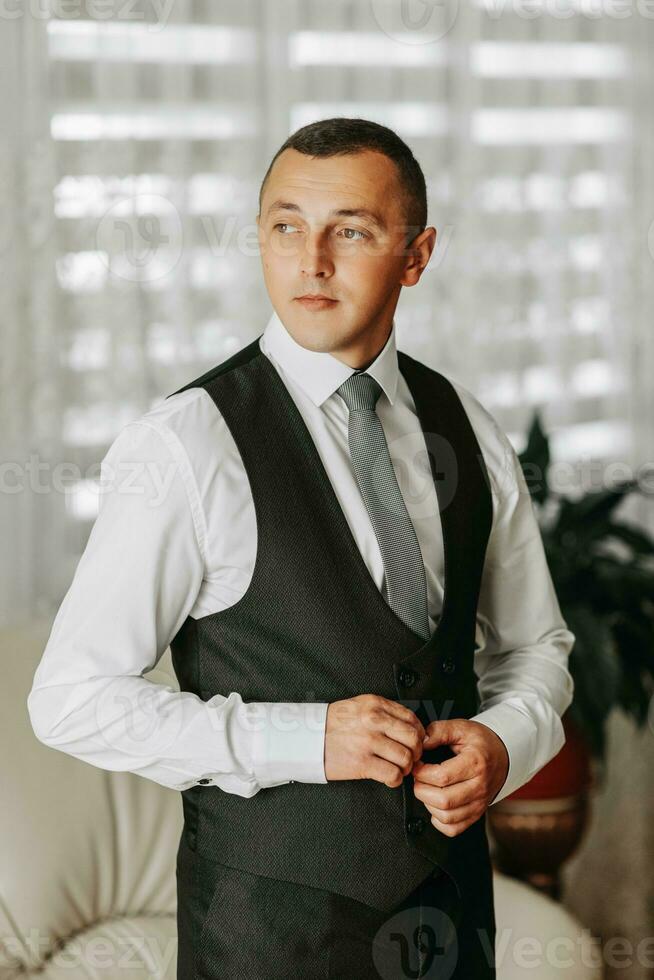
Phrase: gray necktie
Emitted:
{"points": [[405, 585]]}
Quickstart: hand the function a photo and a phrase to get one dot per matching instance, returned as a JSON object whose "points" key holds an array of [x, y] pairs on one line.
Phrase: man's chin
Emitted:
{"points": [[314, 333]]}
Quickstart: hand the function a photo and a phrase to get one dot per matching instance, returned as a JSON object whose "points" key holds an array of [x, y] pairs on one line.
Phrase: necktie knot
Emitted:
{"points": [[360, 391]]}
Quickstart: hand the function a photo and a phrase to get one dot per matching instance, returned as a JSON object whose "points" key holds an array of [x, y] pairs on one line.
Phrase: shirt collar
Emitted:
{"points": [[319, 373]]}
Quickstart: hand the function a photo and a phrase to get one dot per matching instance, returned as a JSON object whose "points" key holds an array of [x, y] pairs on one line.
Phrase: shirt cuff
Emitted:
{"points": [[519, 736], [289, 742]]}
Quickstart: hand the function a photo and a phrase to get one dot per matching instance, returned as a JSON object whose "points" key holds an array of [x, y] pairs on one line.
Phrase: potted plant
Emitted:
{"points": [[603, 573]]}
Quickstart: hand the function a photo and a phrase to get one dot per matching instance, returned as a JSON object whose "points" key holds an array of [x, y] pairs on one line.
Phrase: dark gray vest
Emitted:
{"points": [[314, 626]]}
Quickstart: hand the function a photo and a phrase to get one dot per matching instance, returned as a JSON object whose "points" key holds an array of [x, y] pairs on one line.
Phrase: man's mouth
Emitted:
{"points": [[315, 301]]}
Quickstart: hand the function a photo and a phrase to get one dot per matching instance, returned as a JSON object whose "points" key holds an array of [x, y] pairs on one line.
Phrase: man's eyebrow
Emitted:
{"points": [[376, 219]]}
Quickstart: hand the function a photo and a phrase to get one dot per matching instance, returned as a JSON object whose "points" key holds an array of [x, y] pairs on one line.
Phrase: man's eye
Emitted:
{"points": [[355, 231]]}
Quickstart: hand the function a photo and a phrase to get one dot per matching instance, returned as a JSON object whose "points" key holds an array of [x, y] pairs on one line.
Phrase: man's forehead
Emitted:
{"points": [[363, 168], [331, 184]]}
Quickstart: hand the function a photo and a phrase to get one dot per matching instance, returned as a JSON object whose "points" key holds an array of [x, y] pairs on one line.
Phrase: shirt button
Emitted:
{"points": [[449, 666], [416, 826], [407, 677], [204, 782]]}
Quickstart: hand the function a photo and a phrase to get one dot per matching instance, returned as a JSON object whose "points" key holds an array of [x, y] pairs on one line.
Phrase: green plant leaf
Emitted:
{"points": [[603, 574], [593, 506], [595, 668], [535, 461], [638, 540], [634, 638]]}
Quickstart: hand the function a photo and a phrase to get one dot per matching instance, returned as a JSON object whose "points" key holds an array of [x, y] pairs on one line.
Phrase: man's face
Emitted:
{"points": [[358, 261]]}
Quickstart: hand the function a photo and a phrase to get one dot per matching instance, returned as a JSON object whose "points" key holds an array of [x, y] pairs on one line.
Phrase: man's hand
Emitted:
{"points": [[371, 737], [457, 791]]}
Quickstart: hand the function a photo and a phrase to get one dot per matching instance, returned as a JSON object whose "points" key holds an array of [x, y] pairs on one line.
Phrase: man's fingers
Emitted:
{"points": [[391, 749], [452, 829], [407, 734], [457, 814], [401, 711], [448, 731], [451, 798], [465, 765], [384, 771]]}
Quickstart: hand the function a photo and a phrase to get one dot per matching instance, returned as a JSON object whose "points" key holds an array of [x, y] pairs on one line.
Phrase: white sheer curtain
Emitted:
{"points": [[31, 394], [134, 143]]}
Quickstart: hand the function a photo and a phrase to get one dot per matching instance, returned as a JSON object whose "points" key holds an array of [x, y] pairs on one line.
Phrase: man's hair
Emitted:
{"points": [[342, 135]]}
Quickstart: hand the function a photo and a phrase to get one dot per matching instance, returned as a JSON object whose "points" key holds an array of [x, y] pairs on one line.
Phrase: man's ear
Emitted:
{"points": [[419, 251]]}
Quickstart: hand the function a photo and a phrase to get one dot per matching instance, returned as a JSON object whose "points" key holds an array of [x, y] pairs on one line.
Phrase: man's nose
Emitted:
{"points": [[315, 258]]}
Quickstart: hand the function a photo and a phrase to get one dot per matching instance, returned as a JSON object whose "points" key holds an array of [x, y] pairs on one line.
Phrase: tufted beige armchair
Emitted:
{"points": [[88, 863]]}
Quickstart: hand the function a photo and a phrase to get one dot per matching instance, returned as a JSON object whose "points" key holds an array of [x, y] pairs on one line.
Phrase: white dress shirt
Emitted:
{"points": [[176, 536]]}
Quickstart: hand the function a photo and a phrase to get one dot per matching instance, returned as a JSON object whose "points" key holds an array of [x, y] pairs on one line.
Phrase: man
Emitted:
{"points": [[340, 525]]}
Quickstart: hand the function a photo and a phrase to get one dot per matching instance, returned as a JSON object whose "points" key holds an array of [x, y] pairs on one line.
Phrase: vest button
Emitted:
{"points": [[407, 677], [204, 782], [416, 826], [449, 666]]}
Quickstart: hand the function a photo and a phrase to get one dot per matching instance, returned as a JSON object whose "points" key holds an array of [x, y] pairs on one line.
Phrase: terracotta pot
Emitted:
{"points": [[536, 828], [567, 774]]}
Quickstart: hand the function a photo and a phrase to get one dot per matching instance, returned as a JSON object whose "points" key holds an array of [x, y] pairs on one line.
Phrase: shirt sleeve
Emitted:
{"points": [[522, 664], [133, 588]]}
